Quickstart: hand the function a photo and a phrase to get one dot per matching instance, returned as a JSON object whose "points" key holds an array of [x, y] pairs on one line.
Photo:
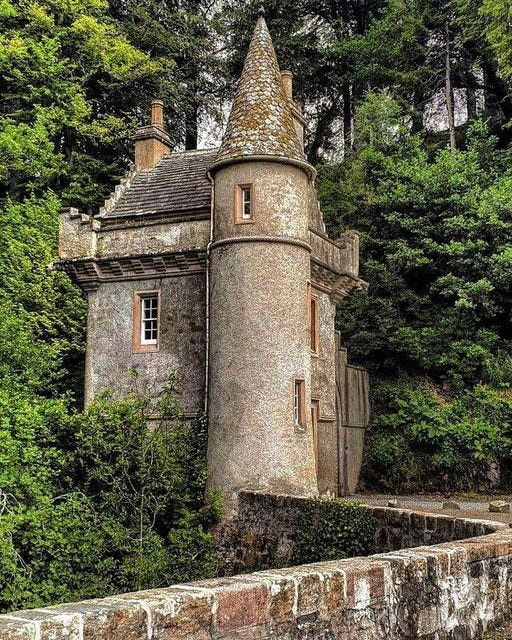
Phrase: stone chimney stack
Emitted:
{"points": [[151, 141], [298, 119]]}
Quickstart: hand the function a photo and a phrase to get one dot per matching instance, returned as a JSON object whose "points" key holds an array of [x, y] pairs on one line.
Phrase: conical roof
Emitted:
{"points": [[261, 121]]}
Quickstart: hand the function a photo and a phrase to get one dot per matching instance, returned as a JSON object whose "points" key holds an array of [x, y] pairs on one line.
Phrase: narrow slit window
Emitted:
{"points": [[244, 203], [299, 402], [314, 324]]}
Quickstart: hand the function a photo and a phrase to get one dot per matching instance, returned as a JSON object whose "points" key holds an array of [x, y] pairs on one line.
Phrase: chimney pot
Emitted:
{"points": [[287, 80], [157, 113]]}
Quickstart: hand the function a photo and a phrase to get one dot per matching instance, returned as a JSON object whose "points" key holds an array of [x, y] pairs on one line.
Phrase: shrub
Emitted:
{"points": [[100, 502], [333, 529], [423, 439]]}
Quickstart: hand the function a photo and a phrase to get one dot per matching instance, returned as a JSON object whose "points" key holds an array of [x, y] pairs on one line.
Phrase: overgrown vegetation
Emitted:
{"points": [[333, 530], [100, 502], [434, 327]]}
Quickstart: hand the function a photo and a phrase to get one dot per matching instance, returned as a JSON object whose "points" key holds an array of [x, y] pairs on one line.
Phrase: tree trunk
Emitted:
{"points": [[449, 93], [347, 119], [191, 126]]}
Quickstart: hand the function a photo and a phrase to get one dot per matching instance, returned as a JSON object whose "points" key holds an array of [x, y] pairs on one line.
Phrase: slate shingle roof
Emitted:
{"points": [[261, 121], [178, 183]]}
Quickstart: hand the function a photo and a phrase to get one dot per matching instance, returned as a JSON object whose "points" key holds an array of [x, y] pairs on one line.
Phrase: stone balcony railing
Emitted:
{"points": [[341, 255]]}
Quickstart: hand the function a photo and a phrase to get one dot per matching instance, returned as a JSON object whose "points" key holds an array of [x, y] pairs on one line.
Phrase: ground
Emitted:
{"points": [[476, 507]]}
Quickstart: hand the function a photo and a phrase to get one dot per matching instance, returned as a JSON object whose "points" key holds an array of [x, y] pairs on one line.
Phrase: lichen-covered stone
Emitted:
{"points": [[499, 506], [261, 121]]}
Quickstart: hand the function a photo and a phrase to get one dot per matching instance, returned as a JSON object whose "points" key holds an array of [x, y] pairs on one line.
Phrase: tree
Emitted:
{"points": [[185, 32], [434, 327], [498, 14]]}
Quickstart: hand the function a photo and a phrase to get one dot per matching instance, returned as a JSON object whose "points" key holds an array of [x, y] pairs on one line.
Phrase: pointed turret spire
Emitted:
{"points": [[261, 120]]}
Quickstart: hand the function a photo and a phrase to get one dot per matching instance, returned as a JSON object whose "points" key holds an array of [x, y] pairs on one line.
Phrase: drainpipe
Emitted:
{"points": [[207, 336]]}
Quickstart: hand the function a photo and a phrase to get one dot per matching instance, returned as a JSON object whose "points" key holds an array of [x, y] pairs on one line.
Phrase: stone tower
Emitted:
{"points": [[215, 264], [259, 352]]}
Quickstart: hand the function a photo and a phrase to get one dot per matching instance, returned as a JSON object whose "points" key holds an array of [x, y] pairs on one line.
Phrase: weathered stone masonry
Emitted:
{"points": [[452, 590], [244, 306]]}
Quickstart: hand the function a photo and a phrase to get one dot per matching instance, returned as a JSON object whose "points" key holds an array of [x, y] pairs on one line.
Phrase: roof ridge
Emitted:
{"points": [[190, 152]]}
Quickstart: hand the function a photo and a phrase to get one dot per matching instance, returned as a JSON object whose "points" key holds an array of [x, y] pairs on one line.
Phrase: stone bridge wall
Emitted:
{"points": [[451, 590]]}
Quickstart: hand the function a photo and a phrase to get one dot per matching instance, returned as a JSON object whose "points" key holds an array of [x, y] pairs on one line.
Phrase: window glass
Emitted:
{"points": [[246, 203], [149, 320], [299, 403]]}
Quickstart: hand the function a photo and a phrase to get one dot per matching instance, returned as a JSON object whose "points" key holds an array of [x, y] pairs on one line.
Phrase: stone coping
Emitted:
{"points": [[448, 590]]}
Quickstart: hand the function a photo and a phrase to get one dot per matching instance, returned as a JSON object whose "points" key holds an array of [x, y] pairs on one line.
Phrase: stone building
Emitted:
{"points": [[216, 263]]}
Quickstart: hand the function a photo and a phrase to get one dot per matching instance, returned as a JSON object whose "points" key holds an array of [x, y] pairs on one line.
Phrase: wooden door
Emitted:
{"points": [[352, 412]]}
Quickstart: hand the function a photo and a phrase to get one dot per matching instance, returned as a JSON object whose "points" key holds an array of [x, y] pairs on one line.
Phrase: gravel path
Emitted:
{"points": [[477, 508]]}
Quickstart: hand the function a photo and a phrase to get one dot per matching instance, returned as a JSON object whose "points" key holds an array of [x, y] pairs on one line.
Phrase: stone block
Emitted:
{"points": [[239, 605], [499, 506], [17, 629], [103, 620], [177, 614], [52, 626], [365, 583], [451, 505]]}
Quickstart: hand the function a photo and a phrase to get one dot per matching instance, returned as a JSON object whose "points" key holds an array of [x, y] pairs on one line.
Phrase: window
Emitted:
{"points": [[314, 324], [299, 402], [149, 324], [146, 315], [315, 416], [244, 203]]}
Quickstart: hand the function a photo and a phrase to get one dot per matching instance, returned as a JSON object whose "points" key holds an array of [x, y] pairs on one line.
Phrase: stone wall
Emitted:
{"points": [[453, 590], [110, 355], [264, 532]]}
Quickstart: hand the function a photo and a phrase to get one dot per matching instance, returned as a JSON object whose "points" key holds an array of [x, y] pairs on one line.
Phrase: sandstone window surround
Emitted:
{"points": [[315, 417], [146, 321], [313, 319], [244, 203], [299, 402]]}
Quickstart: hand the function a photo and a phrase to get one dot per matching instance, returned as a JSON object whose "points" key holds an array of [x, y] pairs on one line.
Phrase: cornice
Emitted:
{"points": [[90, 272], [336, 283]]}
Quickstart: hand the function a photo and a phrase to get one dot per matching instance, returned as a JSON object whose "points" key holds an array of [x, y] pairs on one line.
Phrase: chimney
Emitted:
{"points": [[151, 141], [287, 80], [298, 119]]}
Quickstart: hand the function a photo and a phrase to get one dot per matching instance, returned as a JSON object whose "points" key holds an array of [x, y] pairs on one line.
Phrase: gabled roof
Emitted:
{"points": [[177, 184], [261, 121]]}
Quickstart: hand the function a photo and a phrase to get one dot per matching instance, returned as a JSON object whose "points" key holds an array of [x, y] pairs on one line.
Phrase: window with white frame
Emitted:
{"points": [[149, 319], [244, 203], [146, 321]]}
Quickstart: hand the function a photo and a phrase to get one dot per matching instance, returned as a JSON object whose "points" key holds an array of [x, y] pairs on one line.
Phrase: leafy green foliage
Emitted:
{"points": [[499, 15], [436, 234], [422, 438], [333, 529], [96, 503]]}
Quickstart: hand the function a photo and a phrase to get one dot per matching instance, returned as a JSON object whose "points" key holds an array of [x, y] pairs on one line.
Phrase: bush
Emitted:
{"points": [[333, 529], [425, 440], [100, 502]]}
